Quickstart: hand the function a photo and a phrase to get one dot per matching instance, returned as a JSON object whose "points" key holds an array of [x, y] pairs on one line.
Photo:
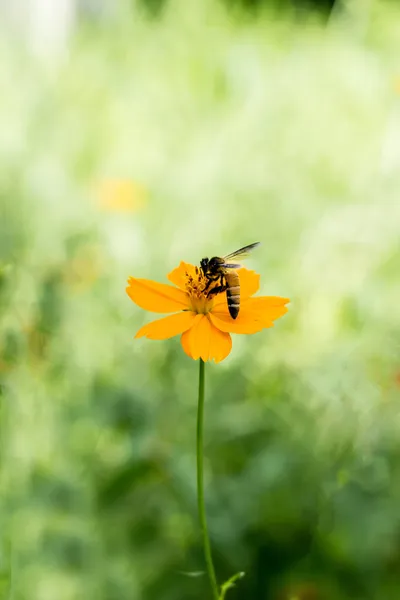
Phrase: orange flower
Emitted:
{"points": [[204, 322]]}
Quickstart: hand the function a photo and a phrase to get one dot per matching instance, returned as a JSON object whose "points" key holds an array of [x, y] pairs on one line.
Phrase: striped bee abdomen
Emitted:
{"points": [[233, 293]]}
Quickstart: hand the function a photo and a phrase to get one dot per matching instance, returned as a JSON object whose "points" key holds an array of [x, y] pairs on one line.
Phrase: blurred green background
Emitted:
{"points": [[150, 137]]}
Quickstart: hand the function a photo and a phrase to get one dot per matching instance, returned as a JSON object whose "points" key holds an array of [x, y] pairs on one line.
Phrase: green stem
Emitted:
{"points": [[200, 485]]}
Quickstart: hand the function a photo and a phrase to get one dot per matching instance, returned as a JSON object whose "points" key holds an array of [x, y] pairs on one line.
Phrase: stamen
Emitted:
{"points": [[200, 290]]}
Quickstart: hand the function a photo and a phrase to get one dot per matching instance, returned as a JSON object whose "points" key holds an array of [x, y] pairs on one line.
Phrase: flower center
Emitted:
{"points": [[201, 299]]}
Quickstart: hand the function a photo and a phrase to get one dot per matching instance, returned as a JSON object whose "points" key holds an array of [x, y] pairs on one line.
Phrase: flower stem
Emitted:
{"points": [[200, 486]]}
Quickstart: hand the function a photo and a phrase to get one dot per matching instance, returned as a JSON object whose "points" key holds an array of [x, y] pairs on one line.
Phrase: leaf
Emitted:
{"points": [[230, 583]]}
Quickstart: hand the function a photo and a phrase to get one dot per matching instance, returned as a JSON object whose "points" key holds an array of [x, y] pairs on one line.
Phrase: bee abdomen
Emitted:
{"points": [[233, 298]]}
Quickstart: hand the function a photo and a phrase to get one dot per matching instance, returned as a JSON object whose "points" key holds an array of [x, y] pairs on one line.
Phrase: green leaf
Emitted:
{"points": [[230, 584]]}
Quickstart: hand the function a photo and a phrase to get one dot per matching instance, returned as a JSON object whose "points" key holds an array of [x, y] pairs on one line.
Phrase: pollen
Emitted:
{"points": [[197, 287]]}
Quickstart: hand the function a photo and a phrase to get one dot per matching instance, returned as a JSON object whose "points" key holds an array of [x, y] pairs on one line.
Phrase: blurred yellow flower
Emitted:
{"points": [[396, 85], [204, 322], [120, 196]]}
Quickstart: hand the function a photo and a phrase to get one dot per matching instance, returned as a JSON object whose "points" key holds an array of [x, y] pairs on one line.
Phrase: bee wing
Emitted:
{"points": [[232, 265], [241, 253]]}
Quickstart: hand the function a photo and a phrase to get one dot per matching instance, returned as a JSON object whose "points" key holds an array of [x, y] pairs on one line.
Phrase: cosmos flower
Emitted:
{"points": [[204, 322]]}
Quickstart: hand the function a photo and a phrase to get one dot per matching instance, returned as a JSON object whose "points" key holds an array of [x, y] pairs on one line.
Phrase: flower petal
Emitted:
{"points": [[249, 284], [167, 327], [262, 302], [265, 308], [185, 341], [204, 341], [255, 314], [242, 324], [179, 275], [156, 297]]}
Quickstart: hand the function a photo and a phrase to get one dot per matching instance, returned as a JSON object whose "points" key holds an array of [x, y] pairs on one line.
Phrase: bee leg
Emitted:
{"points": [[207, 285], [217, 290], [209, 282]]}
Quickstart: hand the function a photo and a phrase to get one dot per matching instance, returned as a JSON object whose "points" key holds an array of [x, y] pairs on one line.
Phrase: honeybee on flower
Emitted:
{"points": [[205, 305]]}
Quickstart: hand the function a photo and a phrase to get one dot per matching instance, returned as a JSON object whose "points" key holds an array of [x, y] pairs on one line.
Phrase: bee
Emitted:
{"points": [[223, 270]]}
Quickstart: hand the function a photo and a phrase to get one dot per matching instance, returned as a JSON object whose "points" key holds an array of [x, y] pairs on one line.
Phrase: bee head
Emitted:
{"points": [[204, 264], [215, 262]]}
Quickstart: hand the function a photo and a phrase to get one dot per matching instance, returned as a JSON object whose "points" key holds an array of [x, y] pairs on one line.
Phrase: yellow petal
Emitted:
{"points": [[167, 327], [185, 341], [265, 308], [179, 275], [156, 297], [255, 314], [249, 284], [263, 302], [204, 341], [242, 324]]}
